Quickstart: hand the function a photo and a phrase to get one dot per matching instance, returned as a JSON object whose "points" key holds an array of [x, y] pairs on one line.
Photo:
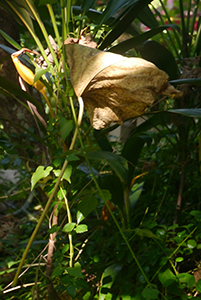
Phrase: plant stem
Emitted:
{"points": [[42, 27], [70, 234], [102, 196], [50, 198]]}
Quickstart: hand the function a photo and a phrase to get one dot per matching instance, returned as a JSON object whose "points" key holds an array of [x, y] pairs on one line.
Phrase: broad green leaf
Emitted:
{"points": [[81, 228], [198, 286], [71, 290], [66, 126], [196, 214], [11, 263], [149, 293], [39, 72], [117, 163], [58, 271], [191, 244], [76, 271], [164, 59], [40, 173], [66, 175], [87, 205], [80, 217], [179, 259], [69, 227], [166, 277], [186, 278], [108, 278]]}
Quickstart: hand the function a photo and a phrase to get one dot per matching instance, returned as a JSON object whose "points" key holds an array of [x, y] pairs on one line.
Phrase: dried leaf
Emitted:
{"points": [[113, 87]]}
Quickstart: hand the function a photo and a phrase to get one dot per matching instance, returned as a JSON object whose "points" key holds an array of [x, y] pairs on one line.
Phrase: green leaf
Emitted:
{"points": [[195, 81], [39, 72], [166, 277], [149, 293], [111, 9], [23, 13], [108, 278], [81, 228], [66, 126], [69, 227], [179, 259], [198, 286], [124, 23], [147, 17], [190, 112], [76, 271], [71, 290], [137, 190], [164, 59], [186, 278], [87, 204], [196, 214], [40, 173], [10, 40], [11, 263], [117, 163], [131, 43], [80, 217], [57, 271], [191, 244], [66, 175]]}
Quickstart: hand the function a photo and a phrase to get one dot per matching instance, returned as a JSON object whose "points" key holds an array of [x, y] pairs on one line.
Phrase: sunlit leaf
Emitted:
{"points": [[81, 228], [69, 227], [40, 173]]}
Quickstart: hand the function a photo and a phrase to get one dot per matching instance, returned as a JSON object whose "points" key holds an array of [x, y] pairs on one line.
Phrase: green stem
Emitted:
{"points": [[64, 19], [42, 27], [39, 223], [127, 207], [52, 16], [50, 198], [70, 234], [40, 46], [102, 196]]}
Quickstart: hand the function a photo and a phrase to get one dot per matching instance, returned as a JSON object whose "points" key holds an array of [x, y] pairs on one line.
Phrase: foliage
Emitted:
{"points": [[123, 217]]}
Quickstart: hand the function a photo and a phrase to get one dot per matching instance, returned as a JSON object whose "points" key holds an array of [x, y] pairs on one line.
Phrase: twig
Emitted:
{"points": [[81, 110], [179, 198]]}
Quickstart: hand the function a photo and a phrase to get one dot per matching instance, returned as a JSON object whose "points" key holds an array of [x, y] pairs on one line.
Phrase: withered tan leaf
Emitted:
{"points": [[114, 88]]}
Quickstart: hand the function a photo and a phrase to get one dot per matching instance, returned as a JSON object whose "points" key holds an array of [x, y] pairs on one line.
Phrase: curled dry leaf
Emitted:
{"points": [[114, 88]]}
